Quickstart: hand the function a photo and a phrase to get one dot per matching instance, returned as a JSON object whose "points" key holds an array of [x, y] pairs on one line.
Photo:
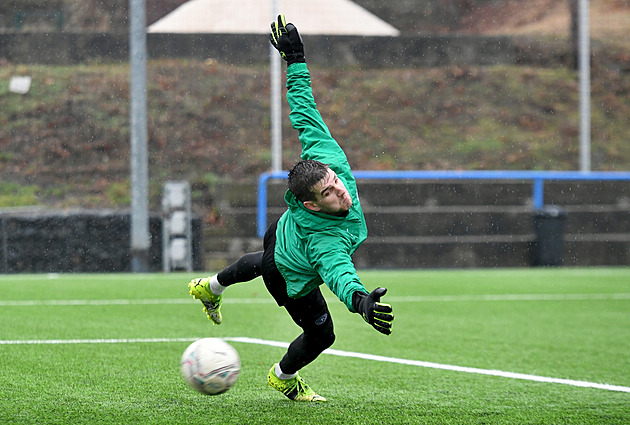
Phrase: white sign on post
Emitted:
{"points": [[20, 84]]}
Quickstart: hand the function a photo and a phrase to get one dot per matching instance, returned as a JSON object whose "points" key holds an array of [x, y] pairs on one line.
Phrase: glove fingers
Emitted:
{"points": [[289, 44], [276, 32], [384, 315], [277, 28], [377, 294], [282, 22], [293, 34], [383, 327], [382, 308]]}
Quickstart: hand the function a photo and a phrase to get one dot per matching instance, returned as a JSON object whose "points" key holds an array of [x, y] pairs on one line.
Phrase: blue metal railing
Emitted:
{"points": [[536, 177]]}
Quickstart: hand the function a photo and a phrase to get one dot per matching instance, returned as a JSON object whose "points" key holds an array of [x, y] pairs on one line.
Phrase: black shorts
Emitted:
{"points": [[275, 283], [310, 311]]}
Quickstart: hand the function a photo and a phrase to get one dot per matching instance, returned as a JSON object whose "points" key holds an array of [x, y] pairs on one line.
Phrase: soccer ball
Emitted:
{"points": [[210, 365]]}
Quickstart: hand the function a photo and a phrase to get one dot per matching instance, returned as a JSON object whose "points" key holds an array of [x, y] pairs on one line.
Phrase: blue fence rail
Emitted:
{"points": [[538, 179]]}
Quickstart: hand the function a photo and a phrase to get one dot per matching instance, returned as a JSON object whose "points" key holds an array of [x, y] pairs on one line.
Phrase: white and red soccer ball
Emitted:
{"points": [[210, 365]]}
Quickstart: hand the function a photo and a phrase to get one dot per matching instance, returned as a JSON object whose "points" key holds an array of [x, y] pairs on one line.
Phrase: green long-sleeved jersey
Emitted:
{"points": [[312, 247]]}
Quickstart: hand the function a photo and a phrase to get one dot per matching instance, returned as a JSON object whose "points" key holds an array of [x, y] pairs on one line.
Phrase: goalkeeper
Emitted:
{"points": [[312, 242]]}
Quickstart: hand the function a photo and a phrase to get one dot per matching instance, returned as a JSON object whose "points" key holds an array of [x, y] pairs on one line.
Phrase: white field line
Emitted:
{"points": [[415, 299], [187, 300], [93, 341], [430, 365], [179, 276], [332, 352], [512, 297]]}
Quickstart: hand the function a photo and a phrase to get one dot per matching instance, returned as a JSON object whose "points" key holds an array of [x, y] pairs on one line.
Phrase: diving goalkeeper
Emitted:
{"points": [[312, 242]]}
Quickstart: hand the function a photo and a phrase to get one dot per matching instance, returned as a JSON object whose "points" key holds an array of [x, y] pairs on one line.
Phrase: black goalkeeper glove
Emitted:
{"points": [[286, 39], [376, 313]]}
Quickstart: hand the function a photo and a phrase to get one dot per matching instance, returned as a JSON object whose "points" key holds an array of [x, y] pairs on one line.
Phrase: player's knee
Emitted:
{"points": [[330, 339], [325, 331], [325, 339]]}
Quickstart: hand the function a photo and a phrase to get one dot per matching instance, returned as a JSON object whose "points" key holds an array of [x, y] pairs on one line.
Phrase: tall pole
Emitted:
{"points": [[275, 101], [140, 237], [585, 86]]}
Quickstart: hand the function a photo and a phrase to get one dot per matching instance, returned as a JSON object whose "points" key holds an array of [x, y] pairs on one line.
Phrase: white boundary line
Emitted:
{"points": [[430, 365], [93, 341], [418, 363], [513, 297], [415, 299], [156, 301]]}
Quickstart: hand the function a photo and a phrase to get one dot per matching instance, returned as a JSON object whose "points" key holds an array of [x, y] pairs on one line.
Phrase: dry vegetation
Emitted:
{"points": [[66, 144]]}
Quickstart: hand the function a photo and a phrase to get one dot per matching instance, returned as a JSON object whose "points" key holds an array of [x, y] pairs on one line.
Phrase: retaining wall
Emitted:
{"points": [[422, 224], [79, 241], [246, 49]]}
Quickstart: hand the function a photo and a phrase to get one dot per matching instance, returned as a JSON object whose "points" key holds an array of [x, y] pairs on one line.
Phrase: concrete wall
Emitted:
{"points": [[33, 242], [441, 224], [429, 224], [69, 48]]}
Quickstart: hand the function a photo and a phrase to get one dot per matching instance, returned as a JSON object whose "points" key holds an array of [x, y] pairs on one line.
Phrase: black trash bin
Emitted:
{"points": [[549, 228]]}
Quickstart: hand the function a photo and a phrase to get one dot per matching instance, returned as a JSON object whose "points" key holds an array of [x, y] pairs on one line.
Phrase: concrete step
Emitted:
{"points": [[448, 220], [453, 193], [449, 223], [489, 251]]}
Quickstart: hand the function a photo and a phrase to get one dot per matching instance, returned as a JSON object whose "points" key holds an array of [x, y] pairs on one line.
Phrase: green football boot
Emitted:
{"points": [[200, 290], [295, 388]]}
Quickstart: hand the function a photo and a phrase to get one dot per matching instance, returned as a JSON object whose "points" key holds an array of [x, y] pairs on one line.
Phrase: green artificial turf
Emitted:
{"points": [[105, 349]]}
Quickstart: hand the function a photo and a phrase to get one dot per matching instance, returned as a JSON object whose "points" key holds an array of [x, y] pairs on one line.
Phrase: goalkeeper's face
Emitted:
{"points": [[331, 196]]}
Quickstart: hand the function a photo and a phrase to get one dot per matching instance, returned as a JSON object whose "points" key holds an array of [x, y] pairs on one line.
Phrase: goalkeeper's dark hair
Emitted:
{"points": [[303, 176]]}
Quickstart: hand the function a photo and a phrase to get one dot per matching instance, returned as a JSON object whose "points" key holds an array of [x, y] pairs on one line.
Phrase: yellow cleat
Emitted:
{"points": [[295, 388], [200, 290]]}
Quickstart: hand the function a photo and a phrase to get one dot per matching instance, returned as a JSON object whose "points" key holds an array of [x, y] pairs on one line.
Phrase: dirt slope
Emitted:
{"points": [[68, 141], [609, 19]]}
